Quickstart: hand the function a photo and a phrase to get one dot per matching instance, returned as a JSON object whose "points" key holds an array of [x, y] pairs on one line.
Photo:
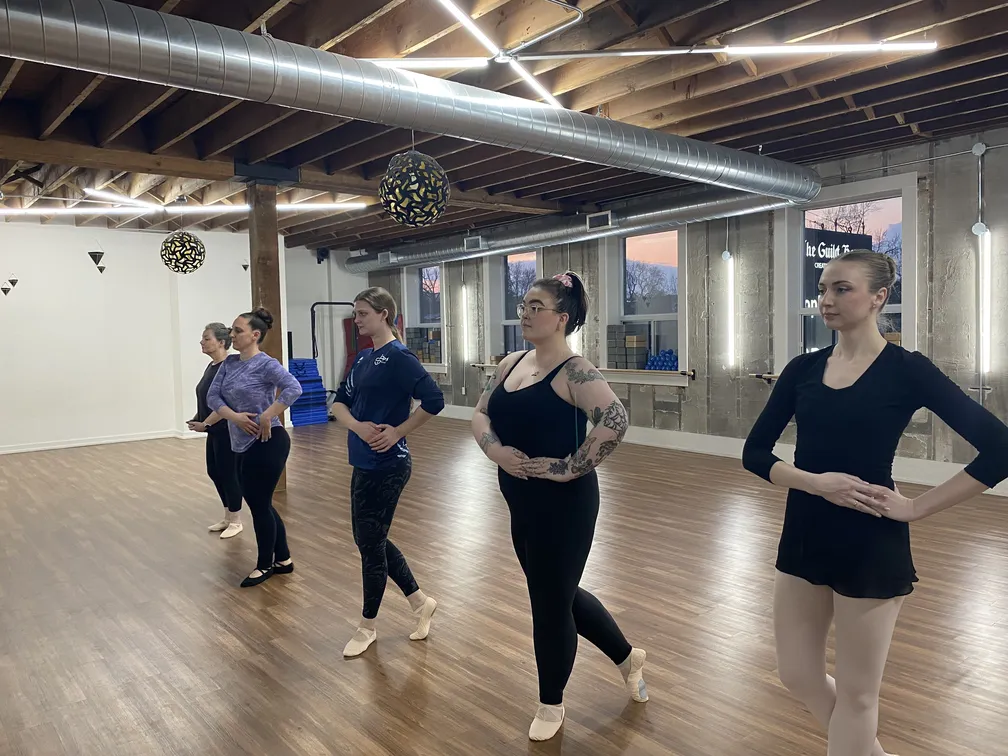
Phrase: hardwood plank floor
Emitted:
{"points": [[123, 630]]}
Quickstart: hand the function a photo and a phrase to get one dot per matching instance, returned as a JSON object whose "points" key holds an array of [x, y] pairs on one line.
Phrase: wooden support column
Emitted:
{"points": [[264, 264]]}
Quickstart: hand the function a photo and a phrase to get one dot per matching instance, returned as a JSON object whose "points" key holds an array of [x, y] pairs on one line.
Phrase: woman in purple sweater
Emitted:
{"points": [[244, 392]]}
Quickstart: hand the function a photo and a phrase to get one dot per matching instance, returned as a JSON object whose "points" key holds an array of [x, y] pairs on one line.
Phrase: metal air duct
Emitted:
{"points": [[654, 214], [115, 39]]}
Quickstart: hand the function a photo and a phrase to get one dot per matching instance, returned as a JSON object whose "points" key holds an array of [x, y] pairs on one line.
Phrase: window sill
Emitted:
{"points": [[645, 377], [435, 368]]}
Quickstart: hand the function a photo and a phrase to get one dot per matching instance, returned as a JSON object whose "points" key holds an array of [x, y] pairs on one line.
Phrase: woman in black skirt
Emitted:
{"points": [[844, 553]]}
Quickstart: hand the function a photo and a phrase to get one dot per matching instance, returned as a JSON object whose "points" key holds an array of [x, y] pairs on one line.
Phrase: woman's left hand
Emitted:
{"points": [[265, 427], [388, 436], [548, 468], [894, 505]]}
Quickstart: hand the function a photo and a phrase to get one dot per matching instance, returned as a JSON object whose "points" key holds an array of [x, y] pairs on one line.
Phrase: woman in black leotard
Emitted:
{"points": [[844, 553], [532, 421]]}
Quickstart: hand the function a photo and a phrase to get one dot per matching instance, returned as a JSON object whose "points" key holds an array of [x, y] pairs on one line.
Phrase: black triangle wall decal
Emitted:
{"points": [[5, 289], [96, 256], [101, 268], [245, 266], [13, 282]]}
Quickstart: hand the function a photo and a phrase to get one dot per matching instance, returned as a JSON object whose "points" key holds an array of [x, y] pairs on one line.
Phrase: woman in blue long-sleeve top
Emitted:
{"points": [[375, 403], [844, 553]]}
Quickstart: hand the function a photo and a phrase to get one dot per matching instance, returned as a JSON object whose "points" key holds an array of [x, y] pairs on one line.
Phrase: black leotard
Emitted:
{"points": [[856, 430]]}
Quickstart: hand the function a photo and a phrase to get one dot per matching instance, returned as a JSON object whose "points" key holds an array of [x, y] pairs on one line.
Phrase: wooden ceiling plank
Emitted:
{"points": [[332, 142], [71, 89], [185, 117], [382, 147], [52, 177], [837, 80], [601, 31], [291, 133], [238, 125], [514, 168], [9, 69], [863, 22], [632, 93]]}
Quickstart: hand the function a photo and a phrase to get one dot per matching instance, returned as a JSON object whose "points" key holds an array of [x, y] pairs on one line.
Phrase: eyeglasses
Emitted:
{"points": [[533, 309]]}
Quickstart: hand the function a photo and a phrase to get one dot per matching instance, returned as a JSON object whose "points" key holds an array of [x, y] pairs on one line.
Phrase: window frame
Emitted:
{"points": [[417, 272], [679, 317], [789, 246]]}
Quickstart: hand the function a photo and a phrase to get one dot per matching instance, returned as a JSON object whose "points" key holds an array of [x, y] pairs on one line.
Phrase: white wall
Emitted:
{"points": [[309, 282], [95, 358]]}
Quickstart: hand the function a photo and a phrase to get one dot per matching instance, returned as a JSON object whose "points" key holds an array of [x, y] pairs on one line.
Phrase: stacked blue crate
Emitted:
{"points": [[311, 408]]}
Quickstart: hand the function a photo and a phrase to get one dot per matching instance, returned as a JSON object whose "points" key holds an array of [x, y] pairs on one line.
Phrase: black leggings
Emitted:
{"points": [[220, 465], [374, 495], [259, 470], [552, 527]]}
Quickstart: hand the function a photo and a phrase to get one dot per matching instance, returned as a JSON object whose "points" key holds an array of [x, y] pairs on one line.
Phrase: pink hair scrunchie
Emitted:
{"points": [[564, 279]]}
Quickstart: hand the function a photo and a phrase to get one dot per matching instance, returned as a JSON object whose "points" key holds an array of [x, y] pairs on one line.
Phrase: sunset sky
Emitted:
{"points": [[885, 213], [661, 249]]}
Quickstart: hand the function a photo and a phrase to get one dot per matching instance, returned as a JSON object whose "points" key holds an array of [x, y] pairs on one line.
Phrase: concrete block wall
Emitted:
{"points": [[464, 380], [583, 259]]}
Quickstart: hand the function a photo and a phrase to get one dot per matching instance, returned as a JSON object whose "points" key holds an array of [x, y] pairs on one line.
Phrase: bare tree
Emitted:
{"points": [[647, 283], [520, 277]]}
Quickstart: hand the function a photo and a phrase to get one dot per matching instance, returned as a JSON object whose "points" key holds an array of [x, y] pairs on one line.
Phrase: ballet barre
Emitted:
{"points": [[767, 377]]}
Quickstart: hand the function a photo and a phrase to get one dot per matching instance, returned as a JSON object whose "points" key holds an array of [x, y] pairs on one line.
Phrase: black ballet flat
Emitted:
{"points": [[283, 569], [251, 581]]}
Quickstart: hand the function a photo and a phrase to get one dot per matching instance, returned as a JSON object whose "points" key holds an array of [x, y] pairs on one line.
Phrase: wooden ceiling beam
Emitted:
{"points": [[359, 241], [591, 83], [601, 31], [292, 132], [835, 80], [382, 147], [514, 168], [134, 103], [885, 100], [9, 69], [649, 105], [52, 177], [574, 180], [238, 125], [332, 142], [72, 88], [439, 148]]}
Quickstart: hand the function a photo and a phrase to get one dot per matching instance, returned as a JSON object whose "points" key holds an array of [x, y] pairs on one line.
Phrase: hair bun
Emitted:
{"points": [[264, 315]]}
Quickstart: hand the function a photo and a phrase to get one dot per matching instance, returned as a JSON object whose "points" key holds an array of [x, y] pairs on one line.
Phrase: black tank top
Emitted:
{"points": [[535, 420]]}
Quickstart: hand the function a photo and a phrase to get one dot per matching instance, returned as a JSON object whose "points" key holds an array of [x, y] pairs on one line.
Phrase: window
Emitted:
{"points": [[831, 231], [650, 303], [430, 295], [519, 273], [879, 214]]}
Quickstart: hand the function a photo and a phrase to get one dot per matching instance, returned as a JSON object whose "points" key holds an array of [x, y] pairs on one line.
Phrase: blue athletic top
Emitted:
{"points": [[379, 388]]}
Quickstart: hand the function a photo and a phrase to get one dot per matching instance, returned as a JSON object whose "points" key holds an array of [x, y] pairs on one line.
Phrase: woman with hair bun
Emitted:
{"points": [[220, 460], [844, 553], [245, 393], [532, 422]]}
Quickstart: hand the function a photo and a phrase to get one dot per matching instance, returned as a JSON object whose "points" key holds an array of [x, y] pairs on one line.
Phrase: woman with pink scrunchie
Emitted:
{"points": [[532, 422]]}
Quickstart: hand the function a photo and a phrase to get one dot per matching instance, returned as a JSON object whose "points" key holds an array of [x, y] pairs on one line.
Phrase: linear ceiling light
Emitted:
{"points": [[152, 209], [466, 21], [496, 52], [426, 64], [741, 50]]}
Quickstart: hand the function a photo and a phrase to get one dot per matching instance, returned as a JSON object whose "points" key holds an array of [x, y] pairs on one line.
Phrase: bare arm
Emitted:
{"points": [[481, 428], [609, 418]]}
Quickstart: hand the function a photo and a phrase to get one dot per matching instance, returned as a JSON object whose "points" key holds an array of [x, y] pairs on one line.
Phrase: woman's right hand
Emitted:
{"points": [[367, 432], [247, 421], [848, 491], [510, 461]]}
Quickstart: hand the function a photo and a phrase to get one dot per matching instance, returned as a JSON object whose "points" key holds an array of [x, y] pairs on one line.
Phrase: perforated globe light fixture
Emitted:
{"points": [[415, 190], [183, 252]]}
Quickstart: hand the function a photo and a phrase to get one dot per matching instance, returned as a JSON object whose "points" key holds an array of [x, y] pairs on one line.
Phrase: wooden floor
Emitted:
{"points": [[123, 631]]}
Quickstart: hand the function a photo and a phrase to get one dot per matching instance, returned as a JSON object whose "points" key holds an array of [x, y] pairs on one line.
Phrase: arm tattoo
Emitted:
{"points": [[559, 467], [579, 377], [487, 440], [613, 418]]}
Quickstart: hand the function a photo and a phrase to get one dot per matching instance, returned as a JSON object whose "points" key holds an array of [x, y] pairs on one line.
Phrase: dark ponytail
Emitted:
{"points": [[571, 299], [260, 320]]}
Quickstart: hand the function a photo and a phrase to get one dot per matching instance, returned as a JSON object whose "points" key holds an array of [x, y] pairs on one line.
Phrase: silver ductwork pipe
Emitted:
{"points": [[650, 216], [115, 39]]}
